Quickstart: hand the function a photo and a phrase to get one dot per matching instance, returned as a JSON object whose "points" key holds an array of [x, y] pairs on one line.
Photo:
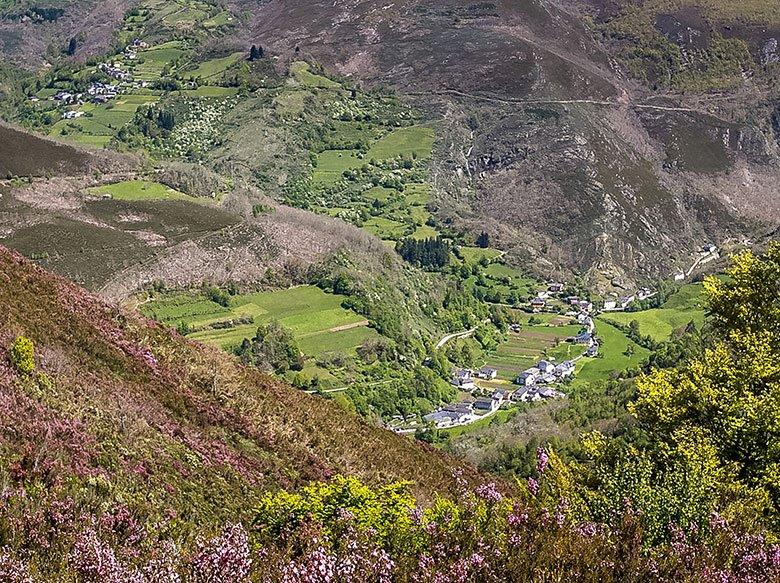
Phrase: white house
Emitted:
{"points": [[487, 373], [545, 366], [463, 380], [610, 304], [528, 377], [564, 369]]}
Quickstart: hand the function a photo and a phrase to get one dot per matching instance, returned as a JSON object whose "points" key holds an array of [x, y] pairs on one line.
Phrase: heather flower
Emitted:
{"points": [[13, 570], [533, 486], [163, 567], [223, 559], [541, 460], [95, 562], [489, 492]]}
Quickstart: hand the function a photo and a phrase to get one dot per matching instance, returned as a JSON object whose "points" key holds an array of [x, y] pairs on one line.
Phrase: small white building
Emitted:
{"points": [[528, 377], [487, 372], [545, 366]]}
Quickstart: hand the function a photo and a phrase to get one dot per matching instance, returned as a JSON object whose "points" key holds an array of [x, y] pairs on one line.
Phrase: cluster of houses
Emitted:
{"points": [[545, 372], [468, 411], [539, 302], [103, 92], [621, 303], [115, 71], [464, 378]]}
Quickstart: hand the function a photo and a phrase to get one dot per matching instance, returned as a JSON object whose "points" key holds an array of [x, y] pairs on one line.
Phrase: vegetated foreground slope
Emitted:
{"points": [[123, 408]]}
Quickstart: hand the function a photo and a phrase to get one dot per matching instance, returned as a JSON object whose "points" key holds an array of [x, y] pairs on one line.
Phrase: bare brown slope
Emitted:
{"points": [[167, 419], [25, 154]]}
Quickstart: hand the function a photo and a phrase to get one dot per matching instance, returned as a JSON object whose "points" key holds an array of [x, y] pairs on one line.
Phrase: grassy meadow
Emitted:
{"points": [[316, 319], [687, 305]]}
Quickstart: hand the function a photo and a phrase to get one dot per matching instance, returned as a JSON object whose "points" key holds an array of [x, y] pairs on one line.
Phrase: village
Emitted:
{"points": [[540, 382], [99, 92]]}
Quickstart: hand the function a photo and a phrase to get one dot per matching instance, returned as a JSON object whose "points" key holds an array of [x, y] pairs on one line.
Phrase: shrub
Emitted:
{"points": [[23, 355]]}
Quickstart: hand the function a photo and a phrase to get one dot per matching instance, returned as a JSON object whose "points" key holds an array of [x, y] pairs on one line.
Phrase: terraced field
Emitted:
{"points": [[528, 347], [316, 319]]}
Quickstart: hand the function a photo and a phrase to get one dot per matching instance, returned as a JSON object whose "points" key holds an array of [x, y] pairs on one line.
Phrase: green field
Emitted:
{"points": [[210, 91], [500, 283], [687, 305], [415, 140], [385, 228], [316, 319], [611, 357], [331, 164], [303, 75], [134, 190], [475, 254], [208, 69]]}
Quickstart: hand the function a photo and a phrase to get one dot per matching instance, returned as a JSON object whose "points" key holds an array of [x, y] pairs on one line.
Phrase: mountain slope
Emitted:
{"points": [[547, 137], [124, 409]]}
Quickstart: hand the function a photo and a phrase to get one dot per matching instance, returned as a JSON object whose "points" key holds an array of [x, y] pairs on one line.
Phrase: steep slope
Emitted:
{"points": [[25, 154], [547, 136], [120, 408]]}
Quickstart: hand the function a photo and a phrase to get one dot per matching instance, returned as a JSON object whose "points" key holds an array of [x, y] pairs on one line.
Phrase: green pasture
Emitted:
{"points": [[687, 305], [134, 190], [212, 68], [313, 317], [303, 75], [612, 357], [475, 254], [414, 140]]}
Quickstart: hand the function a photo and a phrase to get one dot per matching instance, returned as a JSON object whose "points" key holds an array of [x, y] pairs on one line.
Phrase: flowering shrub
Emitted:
{"points": [[22, 355], [13, 570], [224, 559]]}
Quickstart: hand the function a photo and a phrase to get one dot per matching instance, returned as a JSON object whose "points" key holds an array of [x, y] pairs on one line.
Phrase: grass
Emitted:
{"points": [[214, 67], [414, 140], [659, 323], [500, 416], [475, 254], [612, 357], [316, 319], [331, 164], [134, 190], [385, 228], [211, 91], [303, 75]]}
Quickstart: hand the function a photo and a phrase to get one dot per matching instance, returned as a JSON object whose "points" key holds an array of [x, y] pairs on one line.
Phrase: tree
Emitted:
{"points": [[483, 240], [272, 348], [22, 355], [729, 394], [72, 45], [256, 53]]}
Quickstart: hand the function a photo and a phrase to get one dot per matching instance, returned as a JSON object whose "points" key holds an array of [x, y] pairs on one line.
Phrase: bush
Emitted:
{"points": [[23, 355]]}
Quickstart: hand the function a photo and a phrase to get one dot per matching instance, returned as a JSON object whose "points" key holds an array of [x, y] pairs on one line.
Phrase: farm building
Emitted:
{"points": [[487, 373], [545, 366]]}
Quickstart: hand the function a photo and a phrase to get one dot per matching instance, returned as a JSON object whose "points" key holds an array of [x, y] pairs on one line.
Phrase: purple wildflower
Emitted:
{"points": [[224, 558]]}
